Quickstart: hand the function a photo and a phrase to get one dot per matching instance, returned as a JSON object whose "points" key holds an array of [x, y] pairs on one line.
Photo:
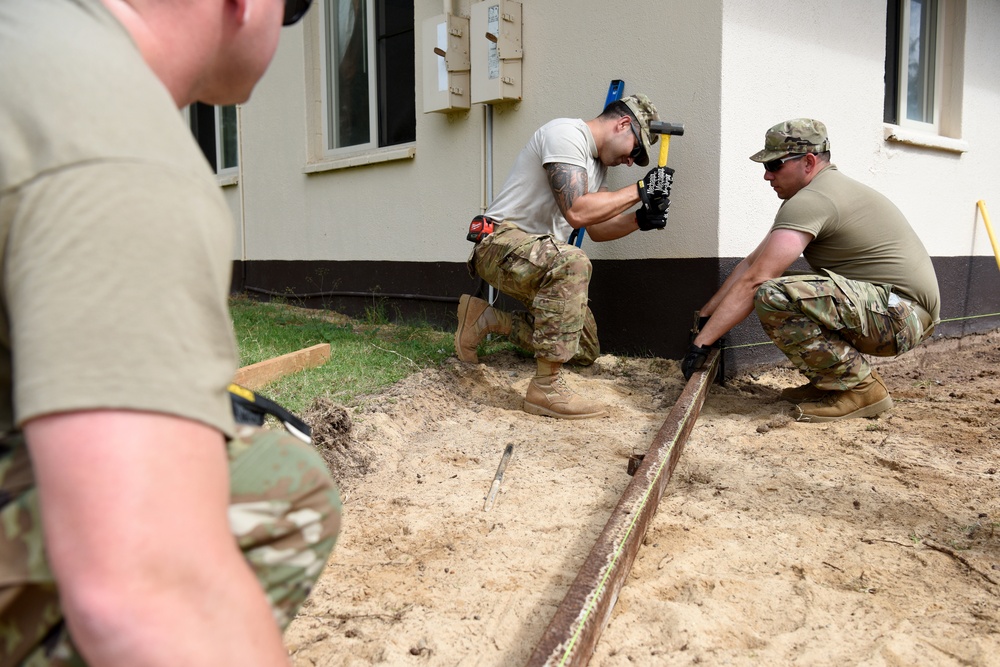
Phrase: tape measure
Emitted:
{"points": [[251, 408]]}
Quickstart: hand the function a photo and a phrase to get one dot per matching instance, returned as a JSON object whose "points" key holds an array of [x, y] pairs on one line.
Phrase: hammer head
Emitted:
{"points": [[663, 127]]}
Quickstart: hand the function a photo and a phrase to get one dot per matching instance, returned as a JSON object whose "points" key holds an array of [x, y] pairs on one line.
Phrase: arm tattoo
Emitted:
{"points": [[568, 182]]}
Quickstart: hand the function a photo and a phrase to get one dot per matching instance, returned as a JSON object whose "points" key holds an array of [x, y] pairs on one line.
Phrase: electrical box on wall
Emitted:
{"points": [[446, 63], [495, 27]]}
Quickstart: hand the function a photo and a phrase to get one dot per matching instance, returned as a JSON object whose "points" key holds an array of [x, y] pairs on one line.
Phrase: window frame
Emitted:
{"points": [[212, 146], [933, 69], [221, 169], [945, 131], [392, 108], [328, 105]]}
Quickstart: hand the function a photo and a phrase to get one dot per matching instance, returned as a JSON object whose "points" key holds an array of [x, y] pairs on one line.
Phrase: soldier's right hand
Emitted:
{"points": [[694, 360], [654, 189]]}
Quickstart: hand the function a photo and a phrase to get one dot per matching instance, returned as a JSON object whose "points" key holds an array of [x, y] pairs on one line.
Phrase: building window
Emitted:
{"points": [[215, 129], [368, 85], [923, 64]]}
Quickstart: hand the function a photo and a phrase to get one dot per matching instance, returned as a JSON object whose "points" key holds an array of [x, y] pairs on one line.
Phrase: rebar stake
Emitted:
{"points": [[508, 450]]}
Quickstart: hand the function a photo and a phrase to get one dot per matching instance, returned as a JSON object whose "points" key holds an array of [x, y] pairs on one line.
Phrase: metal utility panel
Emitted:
{"points": [[446, 63], [495, 37]]}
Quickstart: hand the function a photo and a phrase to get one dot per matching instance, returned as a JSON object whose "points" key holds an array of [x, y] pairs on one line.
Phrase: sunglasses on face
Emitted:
{"points": [[637, 151], [295, 10], [776, 165]]}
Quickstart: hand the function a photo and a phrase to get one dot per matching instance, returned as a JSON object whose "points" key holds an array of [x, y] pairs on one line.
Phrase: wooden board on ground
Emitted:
{"points": [[257, 375]]}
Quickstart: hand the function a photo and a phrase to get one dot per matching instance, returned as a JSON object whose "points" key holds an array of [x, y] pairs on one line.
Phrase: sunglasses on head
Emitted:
{"points": [[295, 10], [637, 151], [776, 165]]}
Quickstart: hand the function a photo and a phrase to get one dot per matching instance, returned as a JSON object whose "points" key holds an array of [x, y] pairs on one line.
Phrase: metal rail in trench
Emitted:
{"points": [[572, 635]]}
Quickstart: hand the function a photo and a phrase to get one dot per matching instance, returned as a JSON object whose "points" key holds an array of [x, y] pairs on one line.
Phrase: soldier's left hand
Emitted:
{"points": [[648, 220]]}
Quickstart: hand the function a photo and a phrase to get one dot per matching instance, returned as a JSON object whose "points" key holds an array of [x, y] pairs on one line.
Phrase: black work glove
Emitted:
{"points": [[695, 359], [654, 189], [699, 323], [648, 219]]}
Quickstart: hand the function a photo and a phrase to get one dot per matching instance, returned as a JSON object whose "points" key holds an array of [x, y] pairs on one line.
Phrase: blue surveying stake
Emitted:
{"points": [[614, 93]]}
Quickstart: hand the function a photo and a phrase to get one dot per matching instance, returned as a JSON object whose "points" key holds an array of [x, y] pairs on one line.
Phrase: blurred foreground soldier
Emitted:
{"points": [[874, 290], [139, 525], [556, 186]]}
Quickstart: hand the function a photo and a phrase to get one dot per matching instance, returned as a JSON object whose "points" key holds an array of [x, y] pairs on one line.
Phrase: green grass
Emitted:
{"points": [[365, 355]]}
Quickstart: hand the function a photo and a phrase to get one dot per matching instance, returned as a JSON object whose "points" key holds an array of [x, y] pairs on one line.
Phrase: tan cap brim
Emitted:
{"points": [[767, 156]]}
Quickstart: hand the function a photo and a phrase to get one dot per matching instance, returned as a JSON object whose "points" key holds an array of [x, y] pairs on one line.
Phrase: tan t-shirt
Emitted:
{"points": [[115, 239], [860, 234]]}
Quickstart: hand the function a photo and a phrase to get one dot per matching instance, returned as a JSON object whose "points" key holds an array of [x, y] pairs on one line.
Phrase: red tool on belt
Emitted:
{"points": [[480, 228]]}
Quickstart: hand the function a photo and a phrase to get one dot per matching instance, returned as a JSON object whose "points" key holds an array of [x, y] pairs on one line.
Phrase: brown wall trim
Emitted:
{"points": [[643, 307]]}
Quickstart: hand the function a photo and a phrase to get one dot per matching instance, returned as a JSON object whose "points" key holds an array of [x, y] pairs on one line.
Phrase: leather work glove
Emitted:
{"points": [[654, 189], [648, 219], [695, 359]]}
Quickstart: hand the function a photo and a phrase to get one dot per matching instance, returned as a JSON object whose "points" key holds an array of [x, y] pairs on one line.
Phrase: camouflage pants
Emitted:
{"points": [[284, 513], [825, 325], [551, 279]]}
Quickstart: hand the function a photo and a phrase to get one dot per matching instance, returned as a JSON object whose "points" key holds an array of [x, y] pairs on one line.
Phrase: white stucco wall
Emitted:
{"points": [[417, 209], [828, 63], [728, 70], [939, 191]]}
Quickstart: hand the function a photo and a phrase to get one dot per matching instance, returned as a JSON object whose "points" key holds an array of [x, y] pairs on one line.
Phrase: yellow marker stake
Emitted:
{"points": [[989, 229]]}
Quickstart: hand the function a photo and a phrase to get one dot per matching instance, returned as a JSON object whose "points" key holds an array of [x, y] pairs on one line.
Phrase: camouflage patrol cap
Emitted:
{"points": [[644, 112], [793, 137]]}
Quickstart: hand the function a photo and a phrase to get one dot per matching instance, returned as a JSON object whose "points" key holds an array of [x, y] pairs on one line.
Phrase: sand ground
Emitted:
{"points": [[863, 542]]}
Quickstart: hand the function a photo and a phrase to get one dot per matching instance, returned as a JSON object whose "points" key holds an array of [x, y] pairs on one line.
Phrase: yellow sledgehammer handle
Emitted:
{"points": [[664, 150], [989, 228]]}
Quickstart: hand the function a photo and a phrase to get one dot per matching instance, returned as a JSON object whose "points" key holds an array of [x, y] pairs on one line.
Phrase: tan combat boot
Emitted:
{"points": [[476, 318], [804, 393], [867, 399], [548, 395]]}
